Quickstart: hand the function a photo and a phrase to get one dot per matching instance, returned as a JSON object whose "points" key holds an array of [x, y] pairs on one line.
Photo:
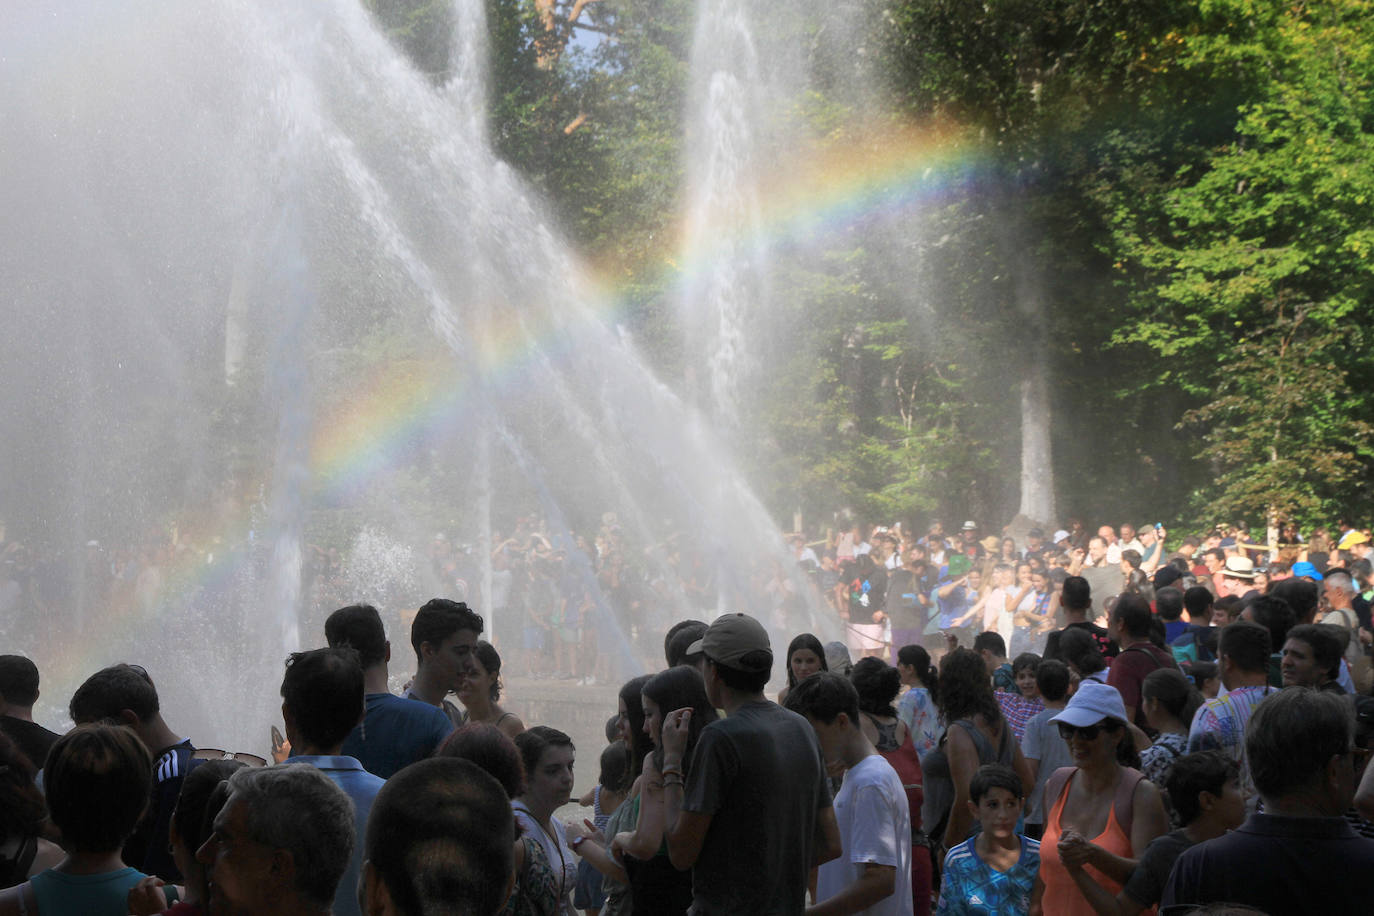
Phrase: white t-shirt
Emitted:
{"points": [[875, 827]]}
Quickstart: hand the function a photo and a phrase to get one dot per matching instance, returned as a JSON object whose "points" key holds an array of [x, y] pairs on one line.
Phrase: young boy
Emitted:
{"points": [[1205, 791], [873, 873], [995, 872]]}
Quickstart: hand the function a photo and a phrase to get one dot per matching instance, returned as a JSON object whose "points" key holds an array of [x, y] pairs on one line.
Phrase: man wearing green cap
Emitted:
{"points": [[754, 813]]}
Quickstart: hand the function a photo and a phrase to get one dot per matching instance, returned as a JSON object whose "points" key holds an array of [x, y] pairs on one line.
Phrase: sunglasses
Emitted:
{"points": [[214, 753], [1087, 732]]}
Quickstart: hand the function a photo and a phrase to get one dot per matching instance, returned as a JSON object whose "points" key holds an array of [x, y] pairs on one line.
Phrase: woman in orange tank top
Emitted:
{"points": [[1103, 814]]}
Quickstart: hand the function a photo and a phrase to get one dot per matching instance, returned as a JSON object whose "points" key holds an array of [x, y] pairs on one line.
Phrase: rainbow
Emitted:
{"points": [[846, 181]]}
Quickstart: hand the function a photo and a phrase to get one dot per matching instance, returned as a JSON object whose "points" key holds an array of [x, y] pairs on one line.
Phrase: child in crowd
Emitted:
{"points": [[1204, 790], [1022, 702], [995, 872], [1041, 745], [606, 796], [873, 873]]}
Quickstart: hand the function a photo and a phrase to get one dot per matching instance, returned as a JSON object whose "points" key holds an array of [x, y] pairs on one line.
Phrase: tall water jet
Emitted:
{"points": [[175, 392]]}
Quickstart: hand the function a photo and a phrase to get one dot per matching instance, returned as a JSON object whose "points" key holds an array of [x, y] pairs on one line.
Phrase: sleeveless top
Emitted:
{"points": [[887, 734], [16, 856], [105, 894], [618, 896], [536, 888], [1062, 896], [939, 783]]}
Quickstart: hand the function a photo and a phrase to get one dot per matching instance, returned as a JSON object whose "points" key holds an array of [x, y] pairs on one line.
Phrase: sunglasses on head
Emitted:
{"points": [[1087, 732], [214, 753]]}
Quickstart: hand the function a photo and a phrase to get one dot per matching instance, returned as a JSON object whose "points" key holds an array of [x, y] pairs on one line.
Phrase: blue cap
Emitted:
{"points": [[1306, 570]]}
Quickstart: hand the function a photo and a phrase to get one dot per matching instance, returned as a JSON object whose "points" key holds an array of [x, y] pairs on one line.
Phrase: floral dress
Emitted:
{"points": [[536, 886], [922, 719]]}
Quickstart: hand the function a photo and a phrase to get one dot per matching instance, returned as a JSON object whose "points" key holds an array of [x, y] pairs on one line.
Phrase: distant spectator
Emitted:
{"points": [[1275, 615], [917, 707]]}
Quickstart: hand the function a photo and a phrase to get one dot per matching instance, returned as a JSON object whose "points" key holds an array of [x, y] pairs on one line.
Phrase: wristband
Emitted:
{"points": [[578, 841]]}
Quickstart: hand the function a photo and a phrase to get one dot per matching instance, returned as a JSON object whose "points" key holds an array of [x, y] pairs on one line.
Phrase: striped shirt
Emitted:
{"points": [[1220, 726]]}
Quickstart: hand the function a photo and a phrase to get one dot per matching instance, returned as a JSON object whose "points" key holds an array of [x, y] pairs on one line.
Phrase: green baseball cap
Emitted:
{"points": [[729, 638]]}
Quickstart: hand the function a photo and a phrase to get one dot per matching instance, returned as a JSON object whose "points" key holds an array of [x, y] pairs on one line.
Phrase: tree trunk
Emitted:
{"points": [[1037, 465]]}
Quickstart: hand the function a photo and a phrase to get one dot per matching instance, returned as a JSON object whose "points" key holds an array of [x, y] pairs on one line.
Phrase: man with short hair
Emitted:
{"points": [[1311, 657], [395, 731], [1301, 855], [873, 874], [280, 845], [1131, 619], [443, 635], [755, 815], [1219, 724], [1213, 562], [322, 702], [439, 840], [125, 695], [1076, 598], [18, 693]]}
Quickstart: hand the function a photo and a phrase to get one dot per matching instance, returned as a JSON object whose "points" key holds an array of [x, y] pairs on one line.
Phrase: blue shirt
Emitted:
{"points": [[395, 732], [971, 886], [361, 787], [104, 894]]}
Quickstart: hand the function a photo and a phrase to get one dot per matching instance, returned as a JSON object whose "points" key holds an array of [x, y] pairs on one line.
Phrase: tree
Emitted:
{"points": [[1262, 275]]}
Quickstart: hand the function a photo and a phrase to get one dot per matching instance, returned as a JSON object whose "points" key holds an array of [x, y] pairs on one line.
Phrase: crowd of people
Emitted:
{"points": [[1194, 739]]}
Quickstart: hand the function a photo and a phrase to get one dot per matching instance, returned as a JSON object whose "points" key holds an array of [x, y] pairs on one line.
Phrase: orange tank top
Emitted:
{"points": [[1062, 897]]}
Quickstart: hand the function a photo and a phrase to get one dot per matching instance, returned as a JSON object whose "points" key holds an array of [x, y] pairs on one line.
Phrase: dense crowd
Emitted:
{"points": [[1076, 724]]}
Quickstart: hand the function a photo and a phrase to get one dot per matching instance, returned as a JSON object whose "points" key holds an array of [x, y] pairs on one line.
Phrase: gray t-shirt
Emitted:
{"points": [[1041, 742], [759, 774], [1146, 884]]}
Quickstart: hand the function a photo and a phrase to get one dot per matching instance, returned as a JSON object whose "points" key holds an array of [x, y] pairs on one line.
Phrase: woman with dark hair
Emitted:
{"points": [[23, 850], [536, 886], [975, 734], [98, 780], [481, 689], [1100, 813], [656, 887], [203, 792], [916, 708], [616, 885], [1169, 701], [877, 684], [805, 656], [548, 756]]}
